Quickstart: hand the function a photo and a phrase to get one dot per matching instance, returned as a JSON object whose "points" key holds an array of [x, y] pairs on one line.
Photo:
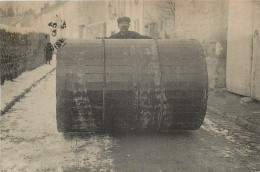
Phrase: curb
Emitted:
{"points": [[239, 120], [21, 95]]}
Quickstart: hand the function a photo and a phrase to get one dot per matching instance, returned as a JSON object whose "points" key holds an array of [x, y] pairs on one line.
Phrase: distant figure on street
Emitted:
{"points": [[48, 54], [124, 24]]}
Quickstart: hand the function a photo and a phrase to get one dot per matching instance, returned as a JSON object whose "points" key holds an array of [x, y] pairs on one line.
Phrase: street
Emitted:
{"points": [[30, 142]]}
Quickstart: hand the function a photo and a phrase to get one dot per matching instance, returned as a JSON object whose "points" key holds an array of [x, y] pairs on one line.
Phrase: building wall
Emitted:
{"points": [[91, 19], [207, 22], [114, 9], [53, 12], [83, 18], [136, 12], [240, 47], [152, 22], [119, 8], [64, 11], [243, 57]]}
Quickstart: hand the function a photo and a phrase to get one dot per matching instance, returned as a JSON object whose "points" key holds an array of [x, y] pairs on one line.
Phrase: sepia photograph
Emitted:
{"points": [[130, 86]]}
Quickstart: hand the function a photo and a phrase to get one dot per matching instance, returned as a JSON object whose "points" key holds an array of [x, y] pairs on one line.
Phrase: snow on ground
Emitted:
{"points": [[30, 141], [11, 89]]}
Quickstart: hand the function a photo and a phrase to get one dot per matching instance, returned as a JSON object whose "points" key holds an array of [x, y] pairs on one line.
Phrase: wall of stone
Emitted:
{"points": [[21, 52]]}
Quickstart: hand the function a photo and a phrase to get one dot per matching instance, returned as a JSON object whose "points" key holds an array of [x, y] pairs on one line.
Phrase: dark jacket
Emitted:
{"points": [[129, 35], [48, 54]]}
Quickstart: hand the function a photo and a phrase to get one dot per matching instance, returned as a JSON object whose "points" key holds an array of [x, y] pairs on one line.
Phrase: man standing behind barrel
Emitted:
{"points": [[124, 24]]}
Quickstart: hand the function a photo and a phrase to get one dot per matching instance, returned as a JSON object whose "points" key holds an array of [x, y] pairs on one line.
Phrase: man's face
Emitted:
{"points": [[123, 26]]}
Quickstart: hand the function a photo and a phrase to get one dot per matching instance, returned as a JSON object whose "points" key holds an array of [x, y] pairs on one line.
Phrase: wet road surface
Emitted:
{"points": [[30, 142]]}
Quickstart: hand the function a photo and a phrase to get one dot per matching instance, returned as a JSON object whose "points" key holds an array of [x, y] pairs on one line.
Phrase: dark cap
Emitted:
{"points": [[120, 19]]}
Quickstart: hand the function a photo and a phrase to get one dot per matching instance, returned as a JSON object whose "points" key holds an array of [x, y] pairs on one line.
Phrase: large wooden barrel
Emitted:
{"points": [[129, 85]]}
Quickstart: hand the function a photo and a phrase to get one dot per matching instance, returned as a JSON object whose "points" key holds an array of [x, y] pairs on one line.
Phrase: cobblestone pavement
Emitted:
{"points": [[30, 142], [230, 106]]}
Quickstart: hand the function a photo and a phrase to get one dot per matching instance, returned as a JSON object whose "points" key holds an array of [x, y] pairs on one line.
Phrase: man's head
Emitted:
{"points": [[123, 24]]}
